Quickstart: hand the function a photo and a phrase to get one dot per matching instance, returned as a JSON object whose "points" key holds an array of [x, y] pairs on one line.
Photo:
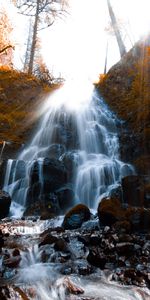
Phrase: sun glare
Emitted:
{"points": [[76, 46], [73, 95]]}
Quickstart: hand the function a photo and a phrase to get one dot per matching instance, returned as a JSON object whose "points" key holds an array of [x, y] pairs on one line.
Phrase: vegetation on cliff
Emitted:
{"points": [[20, 96], [126, 89]]}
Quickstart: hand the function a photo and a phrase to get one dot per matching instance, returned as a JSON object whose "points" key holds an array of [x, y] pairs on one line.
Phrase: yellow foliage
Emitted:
{"points": [[102, 77]]}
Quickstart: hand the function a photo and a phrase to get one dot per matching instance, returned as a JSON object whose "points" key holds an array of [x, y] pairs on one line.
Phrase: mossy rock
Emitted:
{"points": [[76, 216], [110, 211]]}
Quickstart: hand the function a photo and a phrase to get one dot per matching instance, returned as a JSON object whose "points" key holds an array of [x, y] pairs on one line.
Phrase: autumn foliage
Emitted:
{"points": [[5, 39], [126, 88]]}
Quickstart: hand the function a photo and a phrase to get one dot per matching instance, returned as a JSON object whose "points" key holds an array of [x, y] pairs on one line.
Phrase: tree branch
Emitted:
{"points": [[48, 25], [7, 47]]}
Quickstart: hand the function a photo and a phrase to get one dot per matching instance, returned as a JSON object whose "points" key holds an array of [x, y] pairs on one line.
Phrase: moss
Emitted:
{"points": [[79, 209]]}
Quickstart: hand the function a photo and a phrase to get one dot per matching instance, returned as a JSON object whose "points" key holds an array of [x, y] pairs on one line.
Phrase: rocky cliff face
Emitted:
{"points": [[126, 89]]}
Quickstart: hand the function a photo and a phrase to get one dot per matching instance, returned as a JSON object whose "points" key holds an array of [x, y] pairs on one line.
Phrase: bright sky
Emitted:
{"points": [[76, 45]]}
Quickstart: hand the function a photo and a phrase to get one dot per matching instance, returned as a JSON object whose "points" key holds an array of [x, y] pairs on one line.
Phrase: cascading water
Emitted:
{"points": [[78, 125], [40, 274]]}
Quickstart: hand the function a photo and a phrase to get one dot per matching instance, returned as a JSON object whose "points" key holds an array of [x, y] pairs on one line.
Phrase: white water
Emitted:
{"points": [[48, 284], [43, 281], [95, 148]]}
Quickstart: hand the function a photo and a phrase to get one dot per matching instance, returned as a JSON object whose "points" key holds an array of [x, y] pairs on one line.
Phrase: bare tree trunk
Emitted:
{"points": [[34, 39], [28, 47], [120, 42], [106, 57]]}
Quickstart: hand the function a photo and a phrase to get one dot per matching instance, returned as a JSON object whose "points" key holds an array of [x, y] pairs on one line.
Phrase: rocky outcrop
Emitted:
{"points": [[5, 202], [122, 216], [127, 91]]}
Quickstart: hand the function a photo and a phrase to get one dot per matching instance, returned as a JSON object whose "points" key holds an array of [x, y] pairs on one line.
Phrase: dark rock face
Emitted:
{"points": [[53, 173], [139, 219], [64, 130], [49, 196], [56, 150], [65, 197], [76, 216], [46, 206], [136, 191], [70, 161], [5, 202], [3, 166]]}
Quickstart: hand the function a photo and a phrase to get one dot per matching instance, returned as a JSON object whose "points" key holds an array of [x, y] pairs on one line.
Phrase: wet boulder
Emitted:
{"points": [[110, 211], [61, 245], [5, 202], [125, 248], [48, 239], [12, 262], [71, 288], [76, 216]]}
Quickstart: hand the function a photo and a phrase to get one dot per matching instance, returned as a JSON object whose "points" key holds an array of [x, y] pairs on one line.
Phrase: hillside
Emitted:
{"points": [[20, 96], [126, 89]]}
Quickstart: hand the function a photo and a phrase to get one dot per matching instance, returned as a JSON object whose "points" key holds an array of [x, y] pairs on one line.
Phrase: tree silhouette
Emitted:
{"points": [[43, 13], [115, 26]]}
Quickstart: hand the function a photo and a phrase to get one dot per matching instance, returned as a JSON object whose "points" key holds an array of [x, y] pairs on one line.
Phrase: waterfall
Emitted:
{"points": [[77, 125]]}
